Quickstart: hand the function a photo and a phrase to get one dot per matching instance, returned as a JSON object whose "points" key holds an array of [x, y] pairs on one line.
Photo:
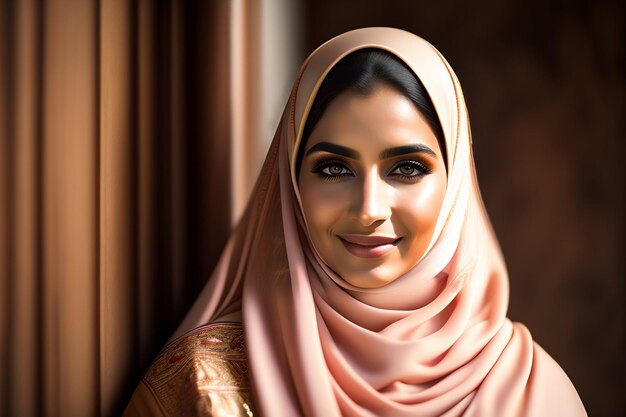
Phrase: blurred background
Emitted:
{"points": [[131, 133]]}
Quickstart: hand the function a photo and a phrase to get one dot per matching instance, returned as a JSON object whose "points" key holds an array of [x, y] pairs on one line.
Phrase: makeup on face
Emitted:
{"points": [[372, 184]]}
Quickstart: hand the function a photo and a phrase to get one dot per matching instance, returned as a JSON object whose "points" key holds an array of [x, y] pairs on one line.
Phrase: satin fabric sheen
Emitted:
{"points": [[318, 346]]}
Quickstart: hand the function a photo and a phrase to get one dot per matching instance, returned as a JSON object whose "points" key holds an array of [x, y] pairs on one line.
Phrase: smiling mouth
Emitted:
{"points": [[369, 247]]}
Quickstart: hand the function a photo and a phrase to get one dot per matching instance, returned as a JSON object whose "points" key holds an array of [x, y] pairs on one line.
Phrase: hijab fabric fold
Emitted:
{"points": [[434, 342]]}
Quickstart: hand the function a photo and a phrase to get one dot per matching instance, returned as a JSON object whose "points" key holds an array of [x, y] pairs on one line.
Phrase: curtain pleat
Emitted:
{"points": [[71, 235], [245, 64], [24, 206], [145, 318], [4, 211], [178, 150], [117, 145], [117, 203]]}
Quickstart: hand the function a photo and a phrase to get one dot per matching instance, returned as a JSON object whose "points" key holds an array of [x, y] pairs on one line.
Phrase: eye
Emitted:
{"points": [[411, 170], [335, 170], [332, 169]]}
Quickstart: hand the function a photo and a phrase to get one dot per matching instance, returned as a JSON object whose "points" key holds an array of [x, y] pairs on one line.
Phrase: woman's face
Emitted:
{"points": [[372, 183]]}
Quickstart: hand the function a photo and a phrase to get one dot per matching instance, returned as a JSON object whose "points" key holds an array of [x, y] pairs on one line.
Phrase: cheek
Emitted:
{"points": [[322, 208], [421, 209]]}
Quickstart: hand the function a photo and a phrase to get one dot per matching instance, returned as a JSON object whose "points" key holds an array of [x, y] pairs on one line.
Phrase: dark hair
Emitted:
{"points": [[360, 72]]}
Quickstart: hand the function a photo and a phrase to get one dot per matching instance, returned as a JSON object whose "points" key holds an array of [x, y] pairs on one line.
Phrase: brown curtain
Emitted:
{"points": [[117, 154]]}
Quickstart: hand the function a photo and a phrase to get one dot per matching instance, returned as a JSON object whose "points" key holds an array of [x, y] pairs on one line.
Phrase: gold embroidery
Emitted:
{"points": [[248, 410], [204, 373]]}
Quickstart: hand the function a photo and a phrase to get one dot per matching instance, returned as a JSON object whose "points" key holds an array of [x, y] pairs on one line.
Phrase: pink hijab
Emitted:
{"points": [[318, 346]]}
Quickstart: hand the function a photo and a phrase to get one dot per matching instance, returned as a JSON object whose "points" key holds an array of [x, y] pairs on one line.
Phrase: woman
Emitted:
{"points": [[364, 276]]}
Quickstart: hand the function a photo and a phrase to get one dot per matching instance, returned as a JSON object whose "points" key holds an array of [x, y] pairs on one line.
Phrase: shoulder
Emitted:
{"points": [[202, 373], [214, 354], [549, 390]]}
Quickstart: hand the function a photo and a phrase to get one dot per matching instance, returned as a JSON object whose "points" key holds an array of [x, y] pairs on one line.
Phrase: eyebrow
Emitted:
{"points": [[402, 150], [387, 153], [334, 148]]}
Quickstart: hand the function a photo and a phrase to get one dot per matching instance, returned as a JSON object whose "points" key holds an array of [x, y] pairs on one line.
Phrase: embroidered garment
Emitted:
{"points": [[203, 373]]}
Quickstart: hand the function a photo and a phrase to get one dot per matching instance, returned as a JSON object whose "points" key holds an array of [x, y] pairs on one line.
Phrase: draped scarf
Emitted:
{"points": [[318, 346]]}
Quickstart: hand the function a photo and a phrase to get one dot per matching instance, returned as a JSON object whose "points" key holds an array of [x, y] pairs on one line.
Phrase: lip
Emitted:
{"points": [[372, 246]]}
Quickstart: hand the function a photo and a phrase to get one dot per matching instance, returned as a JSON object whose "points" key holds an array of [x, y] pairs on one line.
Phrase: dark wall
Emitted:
{"points": [[545, 91]]}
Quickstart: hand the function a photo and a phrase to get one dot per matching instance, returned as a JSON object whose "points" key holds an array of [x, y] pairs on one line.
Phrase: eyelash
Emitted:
{"points": [[421, 169], [319, 170]]}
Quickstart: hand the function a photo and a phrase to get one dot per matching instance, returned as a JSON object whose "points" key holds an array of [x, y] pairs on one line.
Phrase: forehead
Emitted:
{"points": [[382, 118]]}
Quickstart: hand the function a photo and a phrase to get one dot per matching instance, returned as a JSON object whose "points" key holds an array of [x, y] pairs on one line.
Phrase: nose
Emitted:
{"points": [[372, 204]]}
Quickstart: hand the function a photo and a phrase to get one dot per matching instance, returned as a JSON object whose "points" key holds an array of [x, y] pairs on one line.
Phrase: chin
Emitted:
{"points": [[368, 281]]}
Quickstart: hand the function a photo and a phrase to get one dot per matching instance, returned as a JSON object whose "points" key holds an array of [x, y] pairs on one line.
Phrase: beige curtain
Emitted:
{"points": [[128, 145]]}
